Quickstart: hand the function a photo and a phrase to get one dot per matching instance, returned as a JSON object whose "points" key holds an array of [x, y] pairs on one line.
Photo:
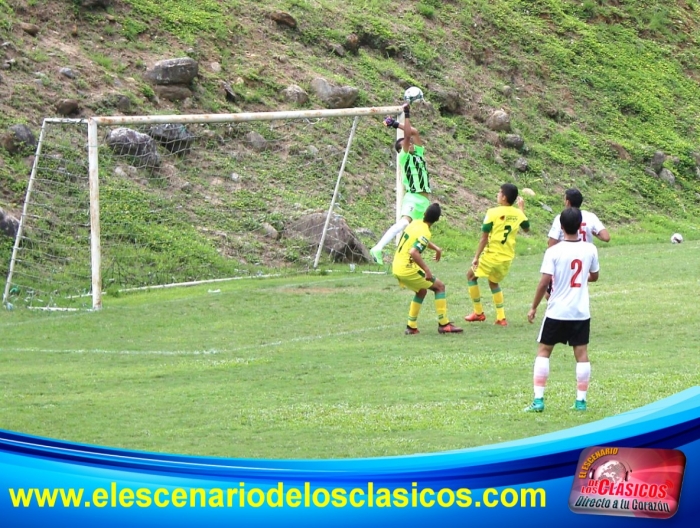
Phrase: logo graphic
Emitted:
{"points": [[628, 481]]}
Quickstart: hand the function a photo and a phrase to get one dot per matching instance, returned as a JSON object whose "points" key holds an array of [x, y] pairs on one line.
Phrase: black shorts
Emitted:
{"points": [[572, 333]]}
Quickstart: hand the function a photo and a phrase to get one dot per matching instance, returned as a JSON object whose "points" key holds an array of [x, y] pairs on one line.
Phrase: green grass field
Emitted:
{"points": [[318, 366]]}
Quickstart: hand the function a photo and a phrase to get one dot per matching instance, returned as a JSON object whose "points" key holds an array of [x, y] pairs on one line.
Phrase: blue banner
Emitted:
{"points": [[530, 482]]}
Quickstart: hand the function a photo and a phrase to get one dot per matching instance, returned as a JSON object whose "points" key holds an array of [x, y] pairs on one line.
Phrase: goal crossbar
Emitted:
{"points": [[242, 117]]}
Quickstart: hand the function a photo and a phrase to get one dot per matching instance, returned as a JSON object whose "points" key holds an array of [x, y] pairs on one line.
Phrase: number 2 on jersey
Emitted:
{"points": [[577, 266]]}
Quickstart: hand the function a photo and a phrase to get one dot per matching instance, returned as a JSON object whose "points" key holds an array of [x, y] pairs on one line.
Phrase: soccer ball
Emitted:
{"points": [[676, 238], [413, 94]]}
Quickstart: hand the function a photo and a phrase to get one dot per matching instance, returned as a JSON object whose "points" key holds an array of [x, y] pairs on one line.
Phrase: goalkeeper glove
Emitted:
{"points": [[391, 122]]}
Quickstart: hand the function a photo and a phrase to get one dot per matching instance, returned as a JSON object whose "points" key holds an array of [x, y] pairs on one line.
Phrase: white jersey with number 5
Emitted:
{"points": [[590, 226], [569, 263]]}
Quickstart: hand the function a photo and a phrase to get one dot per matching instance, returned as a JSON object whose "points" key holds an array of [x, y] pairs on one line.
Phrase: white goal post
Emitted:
{"points": [[62, 185]]}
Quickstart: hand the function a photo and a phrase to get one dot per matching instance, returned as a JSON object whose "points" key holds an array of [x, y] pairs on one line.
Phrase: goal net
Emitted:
{"points": [[119, 203]]}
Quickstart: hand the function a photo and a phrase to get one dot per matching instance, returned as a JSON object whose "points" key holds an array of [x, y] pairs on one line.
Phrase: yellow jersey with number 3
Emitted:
{"points": [[502, 224], [416, 235]]}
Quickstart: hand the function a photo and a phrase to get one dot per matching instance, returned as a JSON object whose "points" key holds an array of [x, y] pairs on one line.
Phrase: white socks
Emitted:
{"points": [[391, 233], [583, 376], [540, 375]]}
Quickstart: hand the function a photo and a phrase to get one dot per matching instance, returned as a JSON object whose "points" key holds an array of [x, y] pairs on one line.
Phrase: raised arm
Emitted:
{"points": [[407, 128], [412, 132], [525, 225]]}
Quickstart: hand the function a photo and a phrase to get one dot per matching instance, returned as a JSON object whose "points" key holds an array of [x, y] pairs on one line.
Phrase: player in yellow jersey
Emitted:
{"points": [[496, 250], [413, 272]]}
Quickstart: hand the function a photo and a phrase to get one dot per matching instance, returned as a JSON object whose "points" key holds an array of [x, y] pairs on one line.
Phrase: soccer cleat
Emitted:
{"points": [[449, 328], [537, 405], [579, 405], [411, 331], [377, 256], [501, 322], [475, 317]]}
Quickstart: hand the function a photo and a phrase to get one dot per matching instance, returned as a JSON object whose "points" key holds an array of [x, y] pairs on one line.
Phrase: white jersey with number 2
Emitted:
{"points": [[569, 264], [590, 226]]}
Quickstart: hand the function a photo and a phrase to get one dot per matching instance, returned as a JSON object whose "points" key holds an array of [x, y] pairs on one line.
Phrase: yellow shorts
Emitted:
{"points": [[414, 282], [495, 271]]}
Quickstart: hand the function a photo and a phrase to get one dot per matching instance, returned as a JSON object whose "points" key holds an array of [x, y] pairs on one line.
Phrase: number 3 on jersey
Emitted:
{"points": [[506, 231]]}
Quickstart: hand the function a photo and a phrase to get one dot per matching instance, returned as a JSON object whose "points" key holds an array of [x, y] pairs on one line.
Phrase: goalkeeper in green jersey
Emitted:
{"points": [[416, 181]]}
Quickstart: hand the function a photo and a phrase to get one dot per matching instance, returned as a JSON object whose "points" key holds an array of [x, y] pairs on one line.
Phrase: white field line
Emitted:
{"points": [[90, 312], [259, 346]]}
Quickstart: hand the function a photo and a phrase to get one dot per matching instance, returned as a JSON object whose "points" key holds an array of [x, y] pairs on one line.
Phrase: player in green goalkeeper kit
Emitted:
{"points": [[416, 181]]}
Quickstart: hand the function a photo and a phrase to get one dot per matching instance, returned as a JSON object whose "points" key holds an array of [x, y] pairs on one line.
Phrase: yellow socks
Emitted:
{"points": [[441, 308], [499, 302], [475, 295], [413, 311]]}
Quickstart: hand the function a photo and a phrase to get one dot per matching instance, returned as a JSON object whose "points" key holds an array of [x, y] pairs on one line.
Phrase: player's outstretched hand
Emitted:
{"points": [[438, 254], [391, 122]]}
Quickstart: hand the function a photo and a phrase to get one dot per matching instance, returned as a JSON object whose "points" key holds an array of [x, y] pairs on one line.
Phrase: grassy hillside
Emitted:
{"points": [[594, 88]]}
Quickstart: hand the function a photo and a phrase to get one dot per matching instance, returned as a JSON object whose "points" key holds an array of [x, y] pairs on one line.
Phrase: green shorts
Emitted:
{"points": [[493, 270], [414, 205]]}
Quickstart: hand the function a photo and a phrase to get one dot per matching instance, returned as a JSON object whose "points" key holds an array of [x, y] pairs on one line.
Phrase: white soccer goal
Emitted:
{"points": [[125, 202]]}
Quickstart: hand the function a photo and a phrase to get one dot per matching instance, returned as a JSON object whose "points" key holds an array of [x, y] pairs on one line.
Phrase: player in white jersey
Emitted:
{"points": [[569, 266], [590, 224]]}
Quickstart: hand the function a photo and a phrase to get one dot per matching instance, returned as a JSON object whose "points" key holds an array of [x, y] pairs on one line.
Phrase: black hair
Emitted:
{"points": [[432, 213], [574, 197], [398, 145], [570, 220], [510, 191]]}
